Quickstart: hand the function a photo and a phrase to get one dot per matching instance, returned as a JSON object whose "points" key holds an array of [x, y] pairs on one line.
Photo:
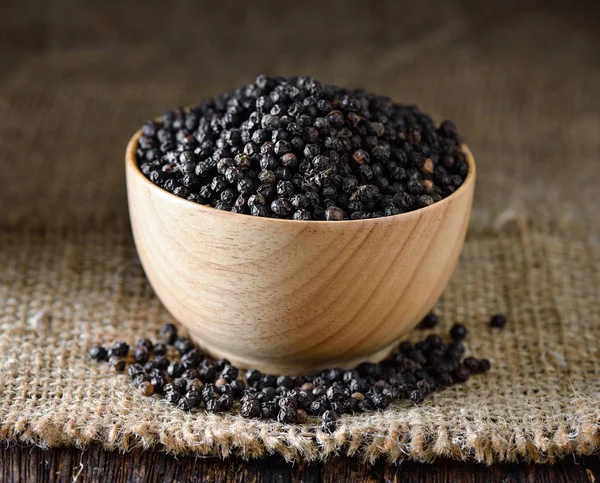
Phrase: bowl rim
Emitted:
{"points": [[132, 167]]}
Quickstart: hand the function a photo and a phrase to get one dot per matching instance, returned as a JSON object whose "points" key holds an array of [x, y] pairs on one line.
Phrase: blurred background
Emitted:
{"points": [[521, 80]]}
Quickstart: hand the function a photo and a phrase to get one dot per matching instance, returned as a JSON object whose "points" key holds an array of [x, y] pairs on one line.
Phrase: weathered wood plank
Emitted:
{"points": [[30, 464]]}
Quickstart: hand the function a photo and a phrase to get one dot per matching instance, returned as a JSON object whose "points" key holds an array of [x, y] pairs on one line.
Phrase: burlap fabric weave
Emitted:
{"points": [[522, 83]]}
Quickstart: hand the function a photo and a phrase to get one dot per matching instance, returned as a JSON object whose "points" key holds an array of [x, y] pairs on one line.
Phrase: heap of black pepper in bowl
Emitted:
{"points": [[294, 148], [192, 381]]}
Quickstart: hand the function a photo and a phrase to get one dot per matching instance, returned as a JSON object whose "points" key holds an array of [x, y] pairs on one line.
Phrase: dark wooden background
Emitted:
{"points": [[32, 464]]}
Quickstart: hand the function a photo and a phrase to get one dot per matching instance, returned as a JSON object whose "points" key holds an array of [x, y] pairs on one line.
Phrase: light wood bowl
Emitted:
{"points": [[288, 296]]}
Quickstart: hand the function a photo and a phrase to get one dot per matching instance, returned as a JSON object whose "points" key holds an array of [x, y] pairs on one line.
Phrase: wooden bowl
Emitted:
{"points": [[287, 296]]}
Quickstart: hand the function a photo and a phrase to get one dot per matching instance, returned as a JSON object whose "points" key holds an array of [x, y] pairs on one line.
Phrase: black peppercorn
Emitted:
{"points": [[251, 409], [141, 355], [158, 382], [413, 372], [159, 349], [461, 374], [144, 343], [209, 392], [253, 376], [429, 321], [194, 399], [498, 321], [175, 369], [183, 345], [318, 407], [226, 402], [161, 363], [135, 369], [484, 365], [191, 374], [329, 420], [192, 358], [281, 207], [98, 353], [206, 371], [168, 333], [416, 396], [172, 397], [237, 387], [179, 385], [458, 332], [120, 349], [380, 401], [285, 381], [302, 215], [471, 364], [269, 410]]}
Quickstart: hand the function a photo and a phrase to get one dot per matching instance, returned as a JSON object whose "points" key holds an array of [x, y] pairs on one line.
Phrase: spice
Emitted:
{"points": [[120, 349], [471, 364], [168, 333], [98, 353], [329, 420], [484, 365], [498, 321], [429, 321], [194, 381], [159, 349], [458, 332], [141, 355], [359, 155]]}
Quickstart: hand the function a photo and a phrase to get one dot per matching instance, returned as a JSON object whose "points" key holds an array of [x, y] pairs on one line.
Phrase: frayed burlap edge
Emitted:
{"points": [[309, 443]]}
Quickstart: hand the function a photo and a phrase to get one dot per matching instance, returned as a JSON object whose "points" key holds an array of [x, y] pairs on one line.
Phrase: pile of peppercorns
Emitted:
{"points": [[192, 380], [298, 149]]}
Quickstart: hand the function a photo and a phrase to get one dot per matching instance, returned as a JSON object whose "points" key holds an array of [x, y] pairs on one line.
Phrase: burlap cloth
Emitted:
{"points": [[523, 85]]}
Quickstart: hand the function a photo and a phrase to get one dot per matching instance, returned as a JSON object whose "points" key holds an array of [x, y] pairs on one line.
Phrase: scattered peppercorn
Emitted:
{"points": [[159, 349], [429, 321], [498, 321], [471, 363], [98, 353], [145, 343], [458, 332], [168, 333], [120, 349], [329, 420], [141, 355], [413, 372], [484, 365], [258, 148]]}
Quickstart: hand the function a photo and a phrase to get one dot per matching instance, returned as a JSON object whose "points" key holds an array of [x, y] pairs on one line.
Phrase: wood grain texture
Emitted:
{"points": [[35, 465], [295, 296]]}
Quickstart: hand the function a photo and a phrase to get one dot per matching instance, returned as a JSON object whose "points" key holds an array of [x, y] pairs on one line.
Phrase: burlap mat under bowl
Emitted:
{"points": [[522, 85], [540, 400]]}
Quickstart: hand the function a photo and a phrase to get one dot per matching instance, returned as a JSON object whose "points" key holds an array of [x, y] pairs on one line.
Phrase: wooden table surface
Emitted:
{"points": [[31, 464]]}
